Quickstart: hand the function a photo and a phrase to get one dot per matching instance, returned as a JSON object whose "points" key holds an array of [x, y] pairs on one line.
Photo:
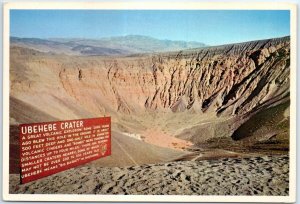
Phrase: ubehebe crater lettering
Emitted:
{"points": [[51, 147]]}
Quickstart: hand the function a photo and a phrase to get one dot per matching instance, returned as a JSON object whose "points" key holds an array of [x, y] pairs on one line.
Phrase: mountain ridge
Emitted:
{"points": [[109, 46]]}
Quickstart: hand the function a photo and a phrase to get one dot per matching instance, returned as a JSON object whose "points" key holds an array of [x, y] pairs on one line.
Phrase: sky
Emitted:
{"points": [[212, 27]]}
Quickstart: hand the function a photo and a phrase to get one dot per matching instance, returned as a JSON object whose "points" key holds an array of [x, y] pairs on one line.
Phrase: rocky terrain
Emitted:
{"points": [[195, 95], [249, 176], [229, 101]]}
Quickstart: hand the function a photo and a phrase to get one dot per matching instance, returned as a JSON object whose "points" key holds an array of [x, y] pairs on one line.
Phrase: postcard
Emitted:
{"points": [[124, 101]]}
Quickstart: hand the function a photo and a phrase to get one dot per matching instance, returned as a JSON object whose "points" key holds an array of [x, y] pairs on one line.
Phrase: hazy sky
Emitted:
{"points": [[208, 26]]}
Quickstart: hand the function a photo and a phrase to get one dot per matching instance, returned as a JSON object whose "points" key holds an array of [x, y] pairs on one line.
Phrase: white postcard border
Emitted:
{"points": [[148, 6]]}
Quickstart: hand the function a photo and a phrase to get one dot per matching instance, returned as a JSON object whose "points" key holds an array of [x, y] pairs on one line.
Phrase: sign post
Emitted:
{"points": [[51, 147]]}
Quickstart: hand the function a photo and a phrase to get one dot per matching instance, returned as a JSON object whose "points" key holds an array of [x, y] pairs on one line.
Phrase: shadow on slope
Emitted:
{"points": [[22, 113], [269, 121]]}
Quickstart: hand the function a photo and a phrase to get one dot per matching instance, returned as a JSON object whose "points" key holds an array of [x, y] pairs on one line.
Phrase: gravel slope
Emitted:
{"points": [[268, 175]]}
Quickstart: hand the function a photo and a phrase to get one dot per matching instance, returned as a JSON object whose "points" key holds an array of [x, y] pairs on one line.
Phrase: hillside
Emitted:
{"points": [[232, 97]]}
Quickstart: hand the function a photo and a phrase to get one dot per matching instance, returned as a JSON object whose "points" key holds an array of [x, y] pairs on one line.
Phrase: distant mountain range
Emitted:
{"points": [[122, 45]]}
